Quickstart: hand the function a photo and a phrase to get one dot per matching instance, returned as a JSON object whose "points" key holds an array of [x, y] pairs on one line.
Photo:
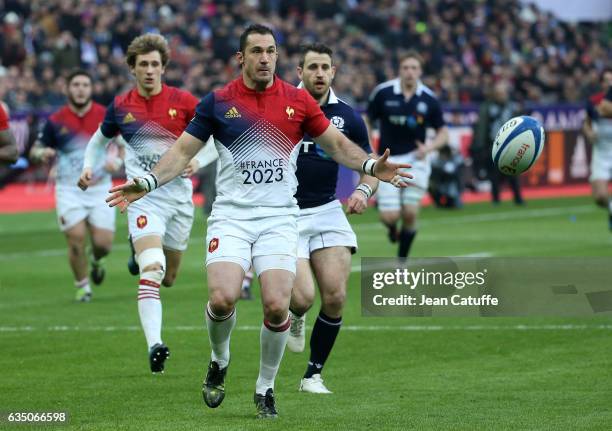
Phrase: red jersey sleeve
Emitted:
{"points": [[315, 121], [3, 119]]}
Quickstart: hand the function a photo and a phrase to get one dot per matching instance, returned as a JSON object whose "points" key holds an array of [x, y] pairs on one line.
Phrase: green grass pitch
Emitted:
{"points": [[395, 373]]}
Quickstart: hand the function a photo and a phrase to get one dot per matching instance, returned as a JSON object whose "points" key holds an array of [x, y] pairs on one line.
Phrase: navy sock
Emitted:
{"points": [[406, 237], [322, 340]]}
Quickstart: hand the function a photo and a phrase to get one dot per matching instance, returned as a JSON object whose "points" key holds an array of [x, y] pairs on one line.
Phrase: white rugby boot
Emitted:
{"points": [[314, 385], [297, 333]]}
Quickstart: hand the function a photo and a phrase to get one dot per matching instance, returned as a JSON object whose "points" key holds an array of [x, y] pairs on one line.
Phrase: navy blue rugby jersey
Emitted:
{"points": [[317, 173], [403, 122]]}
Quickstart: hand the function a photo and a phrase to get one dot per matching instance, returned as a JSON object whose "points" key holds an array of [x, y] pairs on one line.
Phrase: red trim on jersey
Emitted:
{"points": [[4, 125], [597, 98]]}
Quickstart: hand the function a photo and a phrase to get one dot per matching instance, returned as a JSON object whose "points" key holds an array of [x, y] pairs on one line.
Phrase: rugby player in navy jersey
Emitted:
{"points": [[326, 239], [404, 109]]}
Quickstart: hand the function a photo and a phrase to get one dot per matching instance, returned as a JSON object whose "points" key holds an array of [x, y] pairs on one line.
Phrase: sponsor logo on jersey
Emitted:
{"points": [[422, 107], [172, 113], [129, 118], [290, 112], [63, 130], [213, 245], [141, 221], [232, 113]]}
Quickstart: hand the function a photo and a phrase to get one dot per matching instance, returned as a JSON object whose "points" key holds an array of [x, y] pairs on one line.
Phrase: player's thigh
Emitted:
{"points": [[388, 200], [332, 267], [178, 227], [99, 214], [76, 236], [303, 293], [101, 238], [230, 241], [224, 280], [70, 208], [275, 247], [600, 190], [410, 213], [147, 217]]}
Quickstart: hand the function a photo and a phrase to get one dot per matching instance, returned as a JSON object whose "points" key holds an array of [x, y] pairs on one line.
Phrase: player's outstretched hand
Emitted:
{"points": [[390, 172], [85, 179], [125, 194], [357, 203]]}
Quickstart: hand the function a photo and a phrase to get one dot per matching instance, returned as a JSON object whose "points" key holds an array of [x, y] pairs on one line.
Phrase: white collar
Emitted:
{"points": [[397, 87], [331, 100]]}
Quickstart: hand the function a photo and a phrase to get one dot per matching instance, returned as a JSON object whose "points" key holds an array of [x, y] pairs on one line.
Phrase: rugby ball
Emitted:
{"points": [[518, 144]]}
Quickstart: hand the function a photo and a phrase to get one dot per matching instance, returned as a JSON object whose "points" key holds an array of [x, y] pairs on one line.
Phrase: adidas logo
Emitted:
{"points": [[232, 113], [129, 118]]}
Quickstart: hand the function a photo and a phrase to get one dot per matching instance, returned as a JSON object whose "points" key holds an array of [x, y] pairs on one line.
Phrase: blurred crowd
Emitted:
{"points": [[468, 45]]}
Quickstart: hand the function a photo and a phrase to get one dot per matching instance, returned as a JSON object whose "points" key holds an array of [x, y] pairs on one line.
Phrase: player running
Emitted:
{"points": [[597, 129], [258, 122], [404, 109], [80, 214], [150, 117], [326, 238]]}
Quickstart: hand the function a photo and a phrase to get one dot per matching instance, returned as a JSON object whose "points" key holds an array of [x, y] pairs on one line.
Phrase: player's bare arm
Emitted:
{"points": [[171, 165], [605, 108], [588, 131], [347, 153], [8, 148], [438, 142], [357, 202]]}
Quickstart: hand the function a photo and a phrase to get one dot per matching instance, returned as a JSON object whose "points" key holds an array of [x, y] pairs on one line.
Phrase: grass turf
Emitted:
{"points": [[419, 373]]}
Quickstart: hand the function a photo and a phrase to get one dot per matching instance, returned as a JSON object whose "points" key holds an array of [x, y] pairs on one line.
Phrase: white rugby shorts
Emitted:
{"points": [[390, 198], [74, 205], [265, 242], [324, 226], [601, 164], [171, 221]]}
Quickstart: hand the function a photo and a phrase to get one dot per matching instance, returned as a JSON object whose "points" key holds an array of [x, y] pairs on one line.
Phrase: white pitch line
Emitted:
{"points": [[353, 328]]}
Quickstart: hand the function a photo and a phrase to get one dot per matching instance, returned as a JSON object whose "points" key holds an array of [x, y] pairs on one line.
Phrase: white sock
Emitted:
{"points": [[248, 279], [219, 332], [273, 339], [150, 307], [84, 284]]}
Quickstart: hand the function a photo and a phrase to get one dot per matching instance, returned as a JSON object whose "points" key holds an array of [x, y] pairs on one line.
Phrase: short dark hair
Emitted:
{"points": [[257, 29], [319, 48], [411, 53], [78, 72]]}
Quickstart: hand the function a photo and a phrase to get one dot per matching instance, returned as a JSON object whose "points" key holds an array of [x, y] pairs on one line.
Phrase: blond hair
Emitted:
{"points": [[145, 44]]}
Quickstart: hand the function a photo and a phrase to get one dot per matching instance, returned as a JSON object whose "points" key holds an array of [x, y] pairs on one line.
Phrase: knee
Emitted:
{"points": [[76, 245], [409, 219], [301, 301], [333, 302], [152, 260], [221, 302], [275, 310]]}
